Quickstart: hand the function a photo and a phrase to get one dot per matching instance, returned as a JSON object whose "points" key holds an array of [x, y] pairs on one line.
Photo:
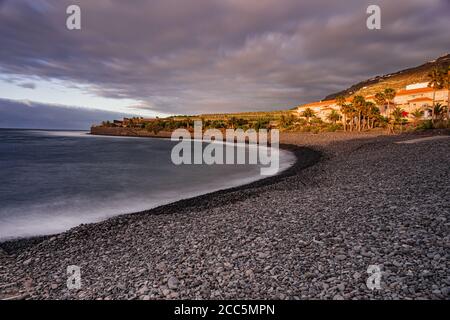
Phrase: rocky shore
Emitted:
{"points": [[310, 233]]}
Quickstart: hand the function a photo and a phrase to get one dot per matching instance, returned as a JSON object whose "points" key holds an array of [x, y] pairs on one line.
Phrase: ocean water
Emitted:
{"points": [[52, 181]]}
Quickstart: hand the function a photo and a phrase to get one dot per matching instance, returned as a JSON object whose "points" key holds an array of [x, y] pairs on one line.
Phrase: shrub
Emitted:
{"points": [[315, 130], [333, 127], [425, 125]]}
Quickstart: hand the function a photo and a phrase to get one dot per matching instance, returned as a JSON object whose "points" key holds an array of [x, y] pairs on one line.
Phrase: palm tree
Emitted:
{"points": [[283, 121], [417, 114], [438, 111], [233, 122], [389, 94], [369, 111], [436, 76], [347, 110], [340, 101], [397, 114], [352, 113], [333, 116], [358, 104], [380, 100], [374, 114], [308, 113]]}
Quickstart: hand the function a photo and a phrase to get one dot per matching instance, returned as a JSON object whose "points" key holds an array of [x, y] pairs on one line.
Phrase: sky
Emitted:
{"points": [[164, 57]]}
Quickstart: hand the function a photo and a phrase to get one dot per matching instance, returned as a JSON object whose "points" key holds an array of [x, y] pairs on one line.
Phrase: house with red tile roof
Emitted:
{"points": [[415, 96]]}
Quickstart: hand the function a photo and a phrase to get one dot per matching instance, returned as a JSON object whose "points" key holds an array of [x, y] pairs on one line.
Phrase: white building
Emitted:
{"points": [[414, 96]]}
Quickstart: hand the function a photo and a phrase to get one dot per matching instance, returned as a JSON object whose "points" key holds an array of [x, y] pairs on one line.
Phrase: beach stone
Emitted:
{"points": [[249, 273], [161, 266], [27, 262], [143, 290], [289, 237], [172, 283]]}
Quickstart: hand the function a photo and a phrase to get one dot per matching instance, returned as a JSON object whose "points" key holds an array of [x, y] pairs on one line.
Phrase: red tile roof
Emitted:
{"points": [[420, 99], [319, 103], [413, 91]]}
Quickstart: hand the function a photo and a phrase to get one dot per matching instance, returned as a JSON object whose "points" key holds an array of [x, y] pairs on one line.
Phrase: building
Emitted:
{"points": [[420, 98], [414, 96]]}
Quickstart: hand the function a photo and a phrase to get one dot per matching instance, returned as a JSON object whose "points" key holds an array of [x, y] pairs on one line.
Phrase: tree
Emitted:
{"points": [[283, 121], [308, 113], [380, 100], [359, 103], [437, 81], [389, 94], [262, 123], [372, 113], [333, 116], [233, 122], [438, 111], [286, 121], [417, 114], [398, 114], [340, 101], [349, 111], [375, 115]]}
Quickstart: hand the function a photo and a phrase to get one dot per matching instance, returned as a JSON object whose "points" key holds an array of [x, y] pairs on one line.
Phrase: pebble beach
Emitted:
{"points": [[350, 201]]}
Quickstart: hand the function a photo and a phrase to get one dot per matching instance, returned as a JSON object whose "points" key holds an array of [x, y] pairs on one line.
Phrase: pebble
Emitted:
{"points": [[310, 235], [172, 283]]}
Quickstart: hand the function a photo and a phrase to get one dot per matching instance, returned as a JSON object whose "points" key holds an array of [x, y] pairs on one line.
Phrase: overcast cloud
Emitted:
{"points": [[31, 115], [203, 56]]}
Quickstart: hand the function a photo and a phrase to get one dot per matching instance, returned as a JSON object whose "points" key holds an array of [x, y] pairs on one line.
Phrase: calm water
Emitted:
{"points": [[55, 180]]}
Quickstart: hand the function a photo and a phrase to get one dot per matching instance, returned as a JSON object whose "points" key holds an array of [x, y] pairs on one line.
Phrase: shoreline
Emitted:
{"points": [[15, 246], [316, 151], [308, 234]]}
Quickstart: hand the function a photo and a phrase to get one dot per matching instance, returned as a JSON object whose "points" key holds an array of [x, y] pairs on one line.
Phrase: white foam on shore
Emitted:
{"points": [[40, 219], [426, 139]]}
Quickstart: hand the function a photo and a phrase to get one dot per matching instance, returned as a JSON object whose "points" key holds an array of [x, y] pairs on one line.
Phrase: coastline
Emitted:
{"points": [[310, 234], [304, 157], [308, 149]]}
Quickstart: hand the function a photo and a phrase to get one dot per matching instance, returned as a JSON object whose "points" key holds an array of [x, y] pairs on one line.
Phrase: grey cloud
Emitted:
{"points": [[28, 85], [30, 115], [219, 55]]}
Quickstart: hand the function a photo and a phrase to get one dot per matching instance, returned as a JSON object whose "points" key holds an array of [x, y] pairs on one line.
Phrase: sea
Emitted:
{"points": [[53, 180]]}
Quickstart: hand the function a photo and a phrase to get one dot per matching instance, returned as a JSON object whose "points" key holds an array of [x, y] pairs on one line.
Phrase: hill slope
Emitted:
{"points": [[397, 80]]}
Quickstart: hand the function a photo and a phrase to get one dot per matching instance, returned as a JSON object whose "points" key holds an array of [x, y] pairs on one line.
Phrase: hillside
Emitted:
{"points": [[251, 116], [275, 114], [397, 80]]}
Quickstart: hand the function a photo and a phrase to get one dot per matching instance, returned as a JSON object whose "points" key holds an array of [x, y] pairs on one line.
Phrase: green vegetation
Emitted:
{"points": [[437, 81], [333, 116], [308, 114], [357, 115], [417, 114]]}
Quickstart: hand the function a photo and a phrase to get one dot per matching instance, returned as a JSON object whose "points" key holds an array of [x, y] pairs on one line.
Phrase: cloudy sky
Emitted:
{"points": [[161, 57]]}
